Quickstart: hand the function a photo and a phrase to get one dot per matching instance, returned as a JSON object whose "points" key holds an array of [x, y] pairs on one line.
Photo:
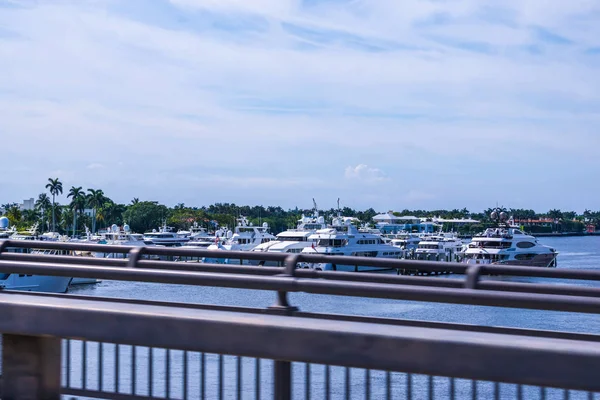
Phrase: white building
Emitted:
{"points": [[27, 204]]}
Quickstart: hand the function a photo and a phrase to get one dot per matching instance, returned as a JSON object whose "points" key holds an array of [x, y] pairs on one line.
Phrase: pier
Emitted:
{"points": [[117, 348]]}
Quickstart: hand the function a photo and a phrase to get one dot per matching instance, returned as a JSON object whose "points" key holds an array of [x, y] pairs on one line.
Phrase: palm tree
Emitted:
{"points": [[13, 213], [95, 199], [77, 203], [43, 204], [135, 201], [55, 188]]}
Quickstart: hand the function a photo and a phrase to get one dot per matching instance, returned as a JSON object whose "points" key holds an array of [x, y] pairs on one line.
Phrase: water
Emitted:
{"points": [[575, 253]]}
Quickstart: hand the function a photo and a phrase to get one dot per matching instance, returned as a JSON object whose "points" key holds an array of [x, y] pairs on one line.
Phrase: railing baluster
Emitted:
{"points": [[150, 371], [133, 370], [185, 375], [452, 388], [327, 381], [282, 374], [388, 385], [100, 366], [117, 372], [409, 386], [84, 364], [257, 382], [367, 384], [202, 376], [168, 374], [307, 389], [221, 389], [347, 383], [430, 388], [474, 389], [496, 391], [238, 370], [520, 392], [68, 362], [117, 367]]}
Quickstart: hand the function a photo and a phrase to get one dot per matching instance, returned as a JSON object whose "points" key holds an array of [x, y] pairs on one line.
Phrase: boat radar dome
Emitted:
{"points": [[4, 222], [321, 220], [265, 225], [126, 228], [114, 228]]}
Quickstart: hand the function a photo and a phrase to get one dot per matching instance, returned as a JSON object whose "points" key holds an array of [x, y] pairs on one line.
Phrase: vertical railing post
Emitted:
{"points": [[283, 380], [31, 367]]}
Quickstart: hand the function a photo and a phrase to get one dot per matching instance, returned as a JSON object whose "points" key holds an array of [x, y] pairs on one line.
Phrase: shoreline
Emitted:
{"points": [[554, 234]]}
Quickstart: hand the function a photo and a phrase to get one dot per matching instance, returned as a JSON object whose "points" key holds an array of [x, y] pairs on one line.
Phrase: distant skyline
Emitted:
{"points": [[386, 104]]}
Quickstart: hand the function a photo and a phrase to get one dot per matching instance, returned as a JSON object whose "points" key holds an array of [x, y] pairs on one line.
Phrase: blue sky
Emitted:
{"points": [[385, 103]]}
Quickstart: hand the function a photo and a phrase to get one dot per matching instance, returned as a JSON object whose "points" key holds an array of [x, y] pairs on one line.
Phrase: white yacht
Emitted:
{"points": [[32, 283], [293, 240], [166, 237], [247, 236], [35, 283], [344, 239], [404, 240], [509, 245], [439, 247], [196, 232]]}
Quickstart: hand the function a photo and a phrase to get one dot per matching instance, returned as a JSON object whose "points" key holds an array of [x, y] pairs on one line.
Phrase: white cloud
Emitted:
{"points": [[286, 104], [364, 173]]}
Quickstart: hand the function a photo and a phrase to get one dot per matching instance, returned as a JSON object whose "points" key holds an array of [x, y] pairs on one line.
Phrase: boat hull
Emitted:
{"points": [[36, 283]]}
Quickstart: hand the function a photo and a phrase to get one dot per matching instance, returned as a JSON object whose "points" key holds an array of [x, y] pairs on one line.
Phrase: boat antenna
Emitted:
{"points": [[339, 211], [316, 209]]}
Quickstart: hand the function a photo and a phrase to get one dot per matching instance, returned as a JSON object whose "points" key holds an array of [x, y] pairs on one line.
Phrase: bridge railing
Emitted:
{"points": [[88, 346]]}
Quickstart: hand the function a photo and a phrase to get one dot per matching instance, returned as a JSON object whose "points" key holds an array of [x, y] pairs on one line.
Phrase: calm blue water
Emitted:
{"points": [[575, 253]]}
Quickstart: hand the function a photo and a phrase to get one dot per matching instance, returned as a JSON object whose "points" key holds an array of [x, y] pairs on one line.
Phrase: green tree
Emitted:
{"points": [[77, 196], [95, 198], [145, 215], [55, 187], [13, 213]]}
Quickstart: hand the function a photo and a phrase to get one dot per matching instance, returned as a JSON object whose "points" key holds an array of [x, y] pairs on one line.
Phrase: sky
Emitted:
{"points": [[389, 104]]}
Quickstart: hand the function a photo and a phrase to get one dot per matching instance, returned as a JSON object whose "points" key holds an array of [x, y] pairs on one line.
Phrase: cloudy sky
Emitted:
{"points": [[385, 103]]}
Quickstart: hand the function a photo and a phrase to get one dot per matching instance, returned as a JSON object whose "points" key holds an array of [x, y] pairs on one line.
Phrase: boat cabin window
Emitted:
{"points": [[524, 257], [493, 244], [331, 242], [312, 226], [525, 245], [291, 239]]}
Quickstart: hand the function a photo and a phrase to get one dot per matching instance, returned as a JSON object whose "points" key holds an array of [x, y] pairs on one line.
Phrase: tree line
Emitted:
{"points": [[143, 216]]}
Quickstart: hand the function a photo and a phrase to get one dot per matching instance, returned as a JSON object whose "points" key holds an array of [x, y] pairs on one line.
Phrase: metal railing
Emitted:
{"points": [[123, 348]]}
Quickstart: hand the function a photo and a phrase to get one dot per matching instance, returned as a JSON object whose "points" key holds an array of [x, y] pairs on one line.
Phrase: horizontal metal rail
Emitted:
{"points": [[561, 289], [392, 264], [470, 355], [280, 283]]}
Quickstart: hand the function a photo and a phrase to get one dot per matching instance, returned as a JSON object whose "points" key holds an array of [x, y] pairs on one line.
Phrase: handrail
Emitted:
{"points": [[431, 266]]}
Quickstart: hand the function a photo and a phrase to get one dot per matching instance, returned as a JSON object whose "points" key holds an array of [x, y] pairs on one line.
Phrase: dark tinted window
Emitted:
{"points": [[525, 245]]}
